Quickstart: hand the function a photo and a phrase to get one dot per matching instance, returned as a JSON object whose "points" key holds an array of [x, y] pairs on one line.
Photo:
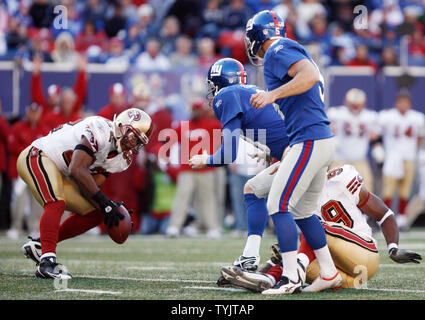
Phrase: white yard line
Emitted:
{"points": [[395, 290], [89, 291], [215, 288], [402, 266], [146, 279]]}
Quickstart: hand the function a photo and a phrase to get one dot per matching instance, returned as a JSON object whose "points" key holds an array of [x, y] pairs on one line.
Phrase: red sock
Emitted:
{"points": [[275, 272], [49, 225], [305, 248], [402, 204], [75, 224]]}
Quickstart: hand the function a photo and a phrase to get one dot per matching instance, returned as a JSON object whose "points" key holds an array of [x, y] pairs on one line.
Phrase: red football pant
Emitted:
{"points": [[75, 224], [49, 225]]}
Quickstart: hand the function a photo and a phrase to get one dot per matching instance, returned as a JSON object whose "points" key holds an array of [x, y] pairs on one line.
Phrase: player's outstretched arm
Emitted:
{"points": [[304, 76], [374, 207]]}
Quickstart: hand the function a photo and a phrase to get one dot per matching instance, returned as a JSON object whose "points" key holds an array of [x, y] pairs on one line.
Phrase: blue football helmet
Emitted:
{"points": [[223, 73], [262, 26]]}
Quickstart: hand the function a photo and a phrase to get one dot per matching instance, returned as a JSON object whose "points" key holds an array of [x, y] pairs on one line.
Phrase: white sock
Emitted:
{"points": [[289, 262], [326, 264], [252, 246], [48, 255], [305, 261]]}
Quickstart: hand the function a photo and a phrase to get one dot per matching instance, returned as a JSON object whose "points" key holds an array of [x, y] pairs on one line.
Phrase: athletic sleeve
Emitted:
{"points": [[227, 105], [350, 181], [228, 151], [284, 56]]}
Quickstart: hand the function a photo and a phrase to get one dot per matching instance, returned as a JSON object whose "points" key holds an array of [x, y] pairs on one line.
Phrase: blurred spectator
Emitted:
{"points": [[4, 178], [64, 51], [41, 12], [146, 19], [16, 36], [183, 55], [213, 18], [90, 36], [403, 130], [116, 55], [95, 11], [134, 40], [152, 58], [21, 134], [169, 33], [389, 58], [236, 15], [417, 44], [189, 14], [354, 127], [306, 10], [207, 52], [319, 33], [362, 58], [389, 15], [116, 23], [117, 102], [63, 104], [195, 136], [38, 47]]}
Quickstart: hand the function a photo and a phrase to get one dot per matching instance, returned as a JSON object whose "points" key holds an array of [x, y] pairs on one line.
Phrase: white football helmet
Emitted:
{"points": [[132, 129]]}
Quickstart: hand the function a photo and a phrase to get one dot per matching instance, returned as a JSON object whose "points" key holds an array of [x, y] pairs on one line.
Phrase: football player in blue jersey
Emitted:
{"points": [[229, 94], [295, 85]]}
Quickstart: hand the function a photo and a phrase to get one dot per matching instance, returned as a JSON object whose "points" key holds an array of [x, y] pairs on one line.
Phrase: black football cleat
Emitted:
{"points": [[32, 249], [50, 269]]}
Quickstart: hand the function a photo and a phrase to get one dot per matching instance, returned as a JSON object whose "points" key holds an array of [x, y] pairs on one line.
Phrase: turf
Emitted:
{"points": [[158, 268]]}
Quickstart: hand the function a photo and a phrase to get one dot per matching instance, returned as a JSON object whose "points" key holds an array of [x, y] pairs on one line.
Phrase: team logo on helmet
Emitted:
{"points": [[133, 114]]}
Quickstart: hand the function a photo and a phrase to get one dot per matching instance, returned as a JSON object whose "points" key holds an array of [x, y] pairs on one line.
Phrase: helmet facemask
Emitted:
{"points": [[127, 134], [252, 52]]}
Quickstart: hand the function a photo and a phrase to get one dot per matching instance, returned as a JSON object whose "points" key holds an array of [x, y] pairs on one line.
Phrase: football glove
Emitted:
{"points": [[404, 256], [109, 208]]}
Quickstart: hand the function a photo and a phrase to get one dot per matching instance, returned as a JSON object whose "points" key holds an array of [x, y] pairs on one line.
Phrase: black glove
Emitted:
{"points": [[109, 208], [276, 257], [404, 256]]}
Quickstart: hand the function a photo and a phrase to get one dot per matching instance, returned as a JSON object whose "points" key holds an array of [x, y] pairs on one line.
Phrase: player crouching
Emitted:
{"points": [[343, 204], [65, 170]]}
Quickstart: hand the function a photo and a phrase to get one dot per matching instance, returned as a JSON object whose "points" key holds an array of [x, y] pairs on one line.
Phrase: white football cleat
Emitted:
{"points": [[285, 286], [247, 263], [32, 249], [240, 278], [321, 284]]}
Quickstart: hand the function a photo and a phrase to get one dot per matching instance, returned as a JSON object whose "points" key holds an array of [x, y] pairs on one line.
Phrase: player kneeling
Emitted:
{"points": [[343, 204], [65, 170]]}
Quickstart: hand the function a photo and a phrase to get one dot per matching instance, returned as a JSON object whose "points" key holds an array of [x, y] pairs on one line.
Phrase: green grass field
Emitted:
{"points": [[157, 268]]}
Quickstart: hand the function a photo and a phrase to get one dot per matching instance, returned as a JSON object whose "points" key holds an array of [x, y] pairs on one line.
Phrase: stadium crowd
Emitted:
{"points": [[158, 35]]}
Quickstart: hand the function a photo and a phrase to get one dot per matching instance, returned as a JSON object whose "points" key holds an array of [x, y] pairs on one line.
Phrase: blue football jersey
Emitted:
{"points": [[265, 125], [305, 116]]}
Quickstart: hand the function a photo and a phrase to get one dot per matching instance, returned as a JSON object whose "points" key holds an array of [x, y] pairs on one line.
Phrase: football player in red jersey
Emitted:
{"points": [[343, 206], [65, 169]]}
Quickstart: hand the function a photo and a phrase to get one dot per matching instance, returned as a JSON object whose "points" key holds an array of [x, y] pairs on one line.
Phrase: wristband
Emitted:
{"points": [[392, 246], [389, 213]]}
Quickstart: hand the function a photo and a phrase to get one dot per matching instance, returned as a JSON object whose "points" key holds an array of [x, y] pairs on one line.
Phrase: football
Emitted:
{"points": [[121, 232]]}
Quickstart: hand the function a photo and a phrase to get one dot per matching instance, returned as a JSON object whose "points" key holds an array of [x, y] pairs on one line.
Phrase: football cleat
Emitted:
{"points": [[247, 263], [222, 282], [50, 269], [32, 249], [285, 286], [321, 284], [253, 281]]}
